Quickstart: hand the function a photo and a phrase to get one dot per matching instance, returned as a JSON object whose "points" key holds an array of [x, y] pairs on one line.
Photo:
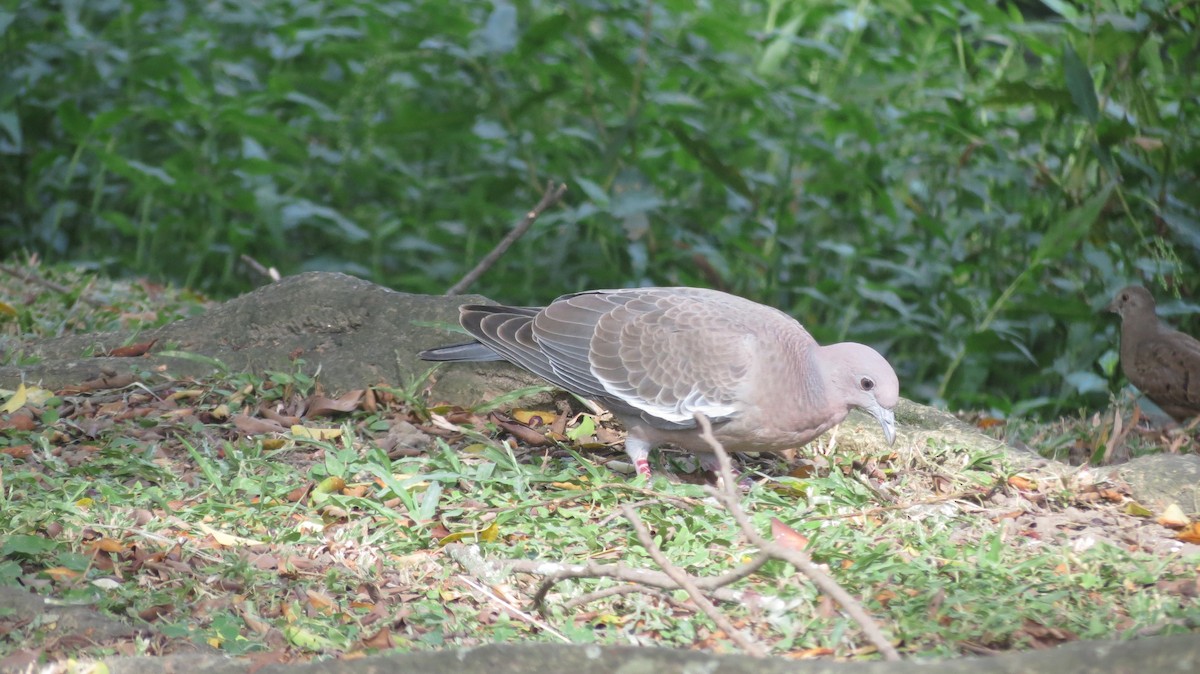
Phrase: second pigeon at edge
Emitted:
{"points": [[656, 356], [1163, 363]]}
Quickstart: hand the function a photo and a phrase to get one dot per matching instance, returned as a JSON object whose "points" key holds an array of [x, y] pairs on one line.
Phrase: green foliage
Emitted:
{"points": [[958, 183]]}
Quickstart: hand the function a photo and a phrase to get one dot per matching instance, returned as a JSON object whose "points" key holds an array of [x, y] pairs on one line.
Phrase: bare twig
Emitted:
{"points": [[798, 558], [618, 590], [549, 198], [271, 274], [555, 572], [933, 500], [510, 609], [32, 277], [688, 584], [469, 558]]}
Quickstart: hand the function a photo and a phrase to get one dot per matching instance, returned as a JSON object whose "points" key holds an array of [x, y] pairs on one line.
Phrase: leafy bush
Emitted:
{"points": [[960, 183]]}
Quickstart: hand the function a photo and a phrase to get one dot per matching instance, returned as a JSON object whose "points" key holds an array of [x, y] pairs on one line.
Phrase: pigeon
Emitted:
{"points": [[1163, 363], [654, 357]]}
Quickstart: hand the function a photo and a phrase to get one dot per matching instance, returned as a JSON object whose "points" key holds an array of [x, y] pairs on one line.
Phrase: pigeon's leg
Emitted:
{"points": [[639, 453], [711, 463]]}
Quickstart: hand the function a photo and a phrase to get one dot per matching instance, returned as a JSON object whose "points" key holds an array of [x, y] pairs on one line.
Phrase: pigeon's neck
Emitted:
{"points": [[814, 384], [1136, 328], [820, 373], [795, 384]]}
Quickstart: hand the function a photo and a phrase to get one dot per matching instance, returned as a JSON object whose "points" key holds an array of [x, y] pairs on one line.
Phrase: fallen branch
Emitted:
{"points": [[687, 583], [549, 198], [976, 493], [511, 610], [555, 572], [798, 558], [619, 590]]}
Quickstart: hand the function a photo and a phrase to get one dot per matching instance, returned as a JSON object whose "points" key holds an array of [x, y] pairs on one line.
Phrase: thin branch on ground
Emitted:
{"points": [[35, 279], [621, 590], [687, 583], [800, 559], [469, 557], [555, 572], [551, 196], [511, 610], [980, 493]]}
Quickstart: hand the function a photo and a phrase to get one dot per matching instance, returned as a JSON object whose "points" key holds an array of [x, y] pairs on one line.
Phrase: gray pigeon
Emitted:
{"points": [[1161, 362], [656, 356]]}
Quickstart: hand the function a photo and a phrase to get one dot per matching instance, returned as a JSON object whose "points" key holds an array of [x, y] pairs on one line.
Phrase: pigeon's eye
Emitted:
{"points": [[866, 383]]}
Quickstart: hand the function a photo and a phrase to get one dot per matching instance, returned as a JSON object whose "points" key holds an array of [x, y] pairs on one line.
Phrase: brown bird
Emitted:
{"points": [[656, 356], [1161, 362]]}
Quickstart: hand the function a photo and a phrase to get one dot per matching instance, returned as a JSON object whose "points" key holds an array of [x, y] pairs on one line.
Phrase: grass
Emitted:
{"points": [[148, 504]]}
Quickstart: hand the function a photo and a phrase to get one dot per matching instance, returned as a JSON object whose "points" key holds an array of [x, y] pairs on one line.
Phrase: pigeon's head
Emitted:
{"points": [[1132, 301], [867, 381]]}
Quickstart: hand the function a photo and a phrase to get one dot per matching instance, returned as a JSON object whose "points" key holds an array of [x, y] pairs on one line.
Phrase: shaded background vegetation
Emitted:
{"points": [[962, 184]]}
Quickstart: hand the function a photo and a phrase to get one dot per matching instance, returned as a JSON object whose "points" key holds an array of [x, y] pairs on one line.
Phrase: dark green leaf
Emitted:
{"points": [[1080, 84], [1023, 93], [543, 32], [611, 64], [26, 546], [593, 191], [11, 125], [710, 158], [73, 121], [1065, 232]]}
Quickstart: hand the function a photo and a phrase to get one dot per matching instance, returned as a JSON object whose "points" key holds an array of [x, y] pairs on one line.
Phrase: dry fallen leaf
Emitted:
{"points": [[307, 433], [21, 420], [1137, 510], [1173, 517], [318, 405], [518, 430], [16, 401], [227, 540], [534, 418], [488, 535], [152, 613], [1190, 533], [320, 601], [381, 640], [131, 351], [108, 545], [18, 451], [787, 536], [1021, 483], [254, 426], [62, 573]]}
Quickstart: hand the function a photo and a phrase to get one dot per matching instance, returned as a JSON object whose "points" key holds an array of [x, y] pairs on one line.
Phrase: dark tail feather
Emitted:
{"points": [[460, 353]]}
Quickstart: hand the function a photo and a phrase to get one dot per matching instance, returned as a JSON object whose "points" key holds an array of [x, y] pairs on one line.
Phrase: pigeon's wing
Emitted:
{"points": [[1170, 373], [508, 331], [665, 352]]}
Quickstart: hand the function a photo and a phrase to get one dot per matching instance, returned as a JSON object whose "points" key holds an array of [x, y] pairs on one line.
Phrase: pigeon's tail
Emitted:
{"points": [[460, 353]]}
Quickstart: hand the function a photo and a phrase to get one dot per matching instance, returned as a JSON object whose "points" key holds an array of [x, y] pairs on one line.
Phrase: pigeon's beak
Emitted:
{"points": [[887, 419]]}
